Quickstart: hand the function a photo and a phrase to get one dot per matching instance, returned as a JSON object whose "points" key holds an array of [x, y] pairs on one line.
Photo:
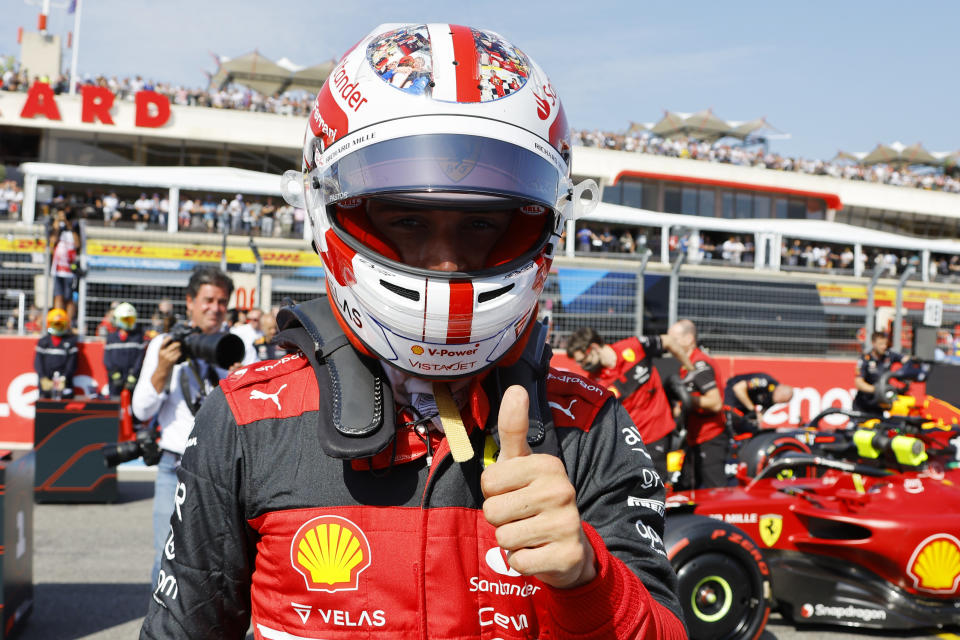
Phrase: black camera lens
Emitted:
{"points": [[222, 349], [115, 453]]}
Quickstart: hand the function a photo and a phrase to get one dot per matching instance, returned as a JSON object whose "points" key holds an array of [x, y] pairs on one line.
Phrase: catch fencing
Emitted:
{"points": [[737, 311], [24, 277]]}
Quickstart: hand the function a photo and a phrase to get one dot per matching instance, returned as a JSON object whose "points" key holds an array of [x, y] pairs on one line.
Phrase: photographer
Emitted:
{"points": [[173, 384]]}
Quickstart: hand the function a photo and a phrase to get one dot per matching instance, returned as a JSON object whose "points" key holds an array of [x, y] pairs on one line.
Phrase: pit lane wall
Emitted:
{"points": [[818, 383]]}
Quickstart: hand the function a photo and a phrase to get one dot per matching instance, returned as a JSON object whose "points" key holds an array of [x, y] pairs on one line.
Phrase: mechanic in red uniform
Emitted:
{"points": [[707, 439], [625, 368], [401, 475]]}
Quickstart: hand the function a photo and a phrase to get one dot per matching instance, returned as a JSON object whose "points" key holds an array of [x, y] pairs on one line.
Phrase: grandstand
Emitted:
{"points": [[823, 228]]}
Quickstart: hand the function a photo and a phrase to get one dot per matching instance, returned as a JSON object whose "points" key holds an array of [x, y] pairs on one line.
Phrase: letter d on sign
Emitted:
{"points": [[160, 103]]}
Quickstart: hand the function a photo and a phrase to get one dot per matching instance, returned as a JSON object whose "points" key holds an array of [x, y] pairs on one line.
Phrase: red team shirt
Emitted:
{"points": [[703, 425], [636, 383]]}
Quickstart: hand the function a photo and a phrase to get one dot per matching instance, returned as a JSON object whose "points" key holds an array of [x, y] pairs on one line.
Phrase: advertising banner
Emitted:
{"points": [[18, 385], [817, 384]]}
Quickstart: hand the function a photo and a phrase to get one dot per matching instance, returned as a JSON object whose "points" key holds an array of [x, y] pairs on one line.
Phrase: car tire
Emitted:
{"points": [[758, 451], [724, 583]]}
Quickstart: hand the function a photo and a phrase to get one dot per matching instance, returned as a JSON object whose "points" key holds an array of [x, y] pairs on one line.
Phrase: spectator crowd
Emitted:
{"points": [[716, 248], [645, 142], [299, 103], [238, 214]]}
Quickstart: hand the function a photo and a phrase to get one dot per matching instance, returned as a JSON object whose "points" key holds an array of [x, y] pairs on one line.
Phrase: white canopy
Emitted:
{"points": [[219, 179], [819, 230]]}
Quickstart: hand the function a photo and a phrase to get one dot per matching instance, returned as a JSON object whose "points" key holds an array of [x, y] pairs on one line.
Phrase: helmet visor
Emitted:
{"points": [[449, 169], [421, 237]]}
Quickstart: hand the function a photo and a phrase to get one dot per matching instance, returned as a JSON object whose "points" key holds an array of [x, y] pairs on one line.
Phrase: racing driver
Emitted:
{"points": [[413, 468]]}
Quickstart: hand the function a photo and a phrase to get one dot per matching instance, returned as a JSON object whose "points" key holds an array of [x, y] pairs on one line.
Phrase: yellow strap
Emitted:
{"points": [[453, 427]]}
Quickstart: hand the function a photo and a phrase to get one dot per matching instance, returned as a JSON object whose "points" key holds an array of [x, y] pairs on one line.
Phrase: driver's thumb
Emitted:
{"points": [[513, 423]]}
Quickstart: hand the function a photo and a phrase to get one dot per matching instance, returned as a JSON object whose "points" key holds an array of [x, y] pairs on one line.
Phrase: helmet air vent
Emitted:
{"points": [[401, 291], [487, 296]]}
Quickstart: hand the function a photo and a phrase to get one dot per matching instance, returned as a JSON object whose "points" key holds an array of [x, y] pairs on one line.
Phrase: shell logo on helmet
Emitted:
{"points": [[543, 107], [417, 350], [330, 552]]}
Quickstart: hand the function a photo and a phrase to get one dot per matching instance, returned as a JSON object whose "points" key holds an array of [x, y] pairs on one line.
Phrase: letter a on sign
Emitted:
{"points": [[40, 102]]}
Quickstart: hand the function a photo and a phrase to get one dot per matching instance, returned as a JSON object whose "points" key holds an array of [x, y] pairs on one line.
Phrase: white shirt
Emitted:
{"points": [[110, 203]]}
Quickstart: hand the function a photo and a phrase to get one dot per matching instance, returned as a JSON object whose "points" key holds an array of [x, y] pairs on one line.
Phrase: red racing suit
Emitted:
{"points": [[268, 528], [636, 383]]}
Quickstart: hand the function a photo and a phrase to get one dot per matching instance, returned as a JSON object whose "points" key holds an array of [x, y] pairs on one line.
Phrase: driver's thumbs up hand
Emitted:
{"points": [[513, 424], [532, 504]]}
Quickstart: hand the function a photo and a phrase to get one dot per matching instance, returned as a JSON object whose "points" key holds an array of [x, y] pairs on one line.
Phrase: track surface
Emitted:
{"points": [[91, 570]]}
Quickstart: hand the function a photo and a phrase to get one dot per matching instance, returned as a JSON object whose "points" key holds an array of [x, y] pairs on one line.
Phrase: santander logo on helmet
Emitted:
{"points": [[430, 115]]}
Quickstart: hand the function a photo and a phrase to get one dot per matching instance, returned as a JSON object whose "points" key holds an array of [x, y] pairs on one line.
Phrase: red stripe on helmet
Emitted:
{"points": [[560, 132], [468, 64], [338, 259], [460, 324], [327, 120]]}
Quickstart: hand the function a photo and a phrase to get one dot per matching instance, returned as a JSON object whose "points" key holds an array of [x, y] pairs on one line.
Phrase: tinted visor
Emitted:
{"points": [[456, 166], [418, 235]]}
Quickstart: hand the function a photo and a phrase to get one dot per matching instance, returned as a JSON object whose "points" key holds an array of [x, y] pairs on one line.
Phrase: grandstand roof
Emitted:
{"points": [[311, 78], [220, 179], [899, 154], [261, 74], [702, 125]]}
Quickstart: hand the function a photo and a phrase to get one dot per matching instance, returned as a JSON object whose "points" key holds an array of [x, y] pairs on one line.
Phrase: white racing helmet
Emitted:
{"points": [[125, 316], [440, 117]]}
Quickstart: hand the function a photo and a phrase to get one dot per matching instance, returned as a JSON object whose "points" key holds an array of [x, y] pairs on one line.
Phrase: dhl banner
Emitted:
{"points": [[14, 244], [856, 295], [147, 251]]}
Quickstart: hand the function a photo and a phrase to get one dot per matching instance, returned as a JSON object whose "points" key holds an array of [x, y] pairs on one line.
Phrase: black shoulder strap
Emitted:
{"points": [[363, 412], [530, 372]]}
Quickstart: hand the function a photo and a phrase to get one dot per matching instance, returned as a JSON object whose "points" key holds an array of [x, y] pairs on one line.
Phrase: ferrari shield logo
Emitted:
{"points": [[770, 525]]}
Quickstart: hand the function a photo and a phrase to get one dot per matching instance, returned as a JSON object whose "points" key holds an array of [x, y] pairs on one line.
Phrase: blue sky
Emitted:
{"points": [[834, 75]]}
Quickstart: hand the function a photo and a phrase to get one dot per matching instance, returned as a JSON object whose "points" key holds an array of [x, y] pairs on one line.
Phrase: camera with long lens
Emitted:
{"points": [[144, 446], [221, 349]]}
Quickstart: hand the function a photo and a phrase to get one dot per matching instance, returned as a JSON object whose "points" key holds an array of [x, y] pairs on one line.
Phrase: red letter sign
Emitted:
{"points": [[144, 118], [97, 102], [40, 102]]}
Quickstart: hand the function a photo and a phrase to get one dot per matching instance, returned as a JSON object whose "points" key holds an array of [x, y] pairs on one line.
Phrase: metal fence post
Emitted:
{"points": [[47, 279], [21, 297], [674, 301], [258, 274], [82, 283], [641, 286], [897, 328], [869, 325]]}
